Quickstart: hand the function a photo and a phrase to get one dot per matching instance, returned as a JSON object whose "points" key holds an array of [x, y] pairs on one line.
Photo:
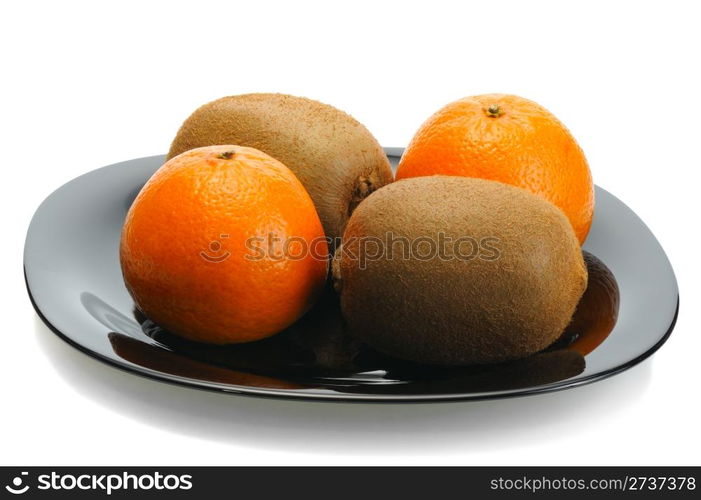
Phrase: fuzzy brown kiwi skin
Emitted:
{"points": [[451, 311], [334, 156]]}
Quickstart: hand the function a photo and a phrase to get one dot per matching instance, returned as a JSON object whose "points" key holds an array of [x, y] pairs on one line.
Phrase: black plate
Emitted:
{"points": [[74, 280]]}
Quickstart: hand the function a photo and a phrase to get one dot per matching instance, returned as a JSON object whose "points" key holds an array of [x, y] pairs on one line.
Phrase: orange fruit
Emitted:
{"points": [[223, 245], [509, 139]]}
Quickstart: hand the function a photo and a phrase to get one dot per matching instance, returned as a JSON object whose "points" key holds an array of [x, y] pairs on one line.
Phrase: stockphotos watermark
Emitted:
{"points": [[104, 483], [441, 246]]}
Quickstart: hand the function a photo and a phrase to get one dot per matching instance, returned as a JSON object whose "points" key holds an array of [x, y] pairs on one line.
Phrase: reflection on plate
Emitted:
{"points": [[316, 352]]}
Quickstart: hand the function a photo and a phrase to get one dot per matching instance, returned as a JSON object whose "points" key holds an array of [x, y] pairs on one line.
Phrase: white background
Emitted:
{"points": [[85, 85]]}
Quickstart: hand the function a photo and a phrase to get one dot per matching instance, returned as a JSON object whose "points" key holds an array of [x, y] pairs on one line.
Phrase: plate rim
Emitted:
{"points": [[295, 394], [231, 389]]}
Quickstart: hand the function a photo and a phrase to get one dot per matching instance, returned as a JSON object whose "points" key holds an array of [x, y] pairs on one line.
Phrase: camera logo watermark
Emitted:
{"points": [[16, 488], [105, 483], [212, 254], [275, 248]]}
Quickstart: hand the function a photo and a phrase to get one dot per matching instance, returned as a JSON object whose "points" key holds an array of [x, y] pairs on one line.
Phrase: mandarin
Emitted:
{"points": [[509, 139], [223, 245]]}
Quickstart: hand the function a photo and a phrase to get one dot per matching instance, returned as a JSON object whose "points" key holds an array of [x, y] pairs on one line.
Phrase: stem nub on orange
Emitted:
{"points": [[223, 245], [509, 139]]}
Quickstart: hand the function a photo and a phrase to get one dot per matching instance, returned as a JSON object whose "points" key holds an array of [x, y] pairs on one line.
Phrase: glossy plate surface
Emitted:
{"points": [[74, 280]]}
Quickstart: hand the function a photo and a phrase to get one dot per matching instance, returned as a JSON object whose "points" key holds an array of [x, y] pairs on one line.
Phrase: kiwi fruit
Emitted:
{"points": [[455, 271], [334, 156]]}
